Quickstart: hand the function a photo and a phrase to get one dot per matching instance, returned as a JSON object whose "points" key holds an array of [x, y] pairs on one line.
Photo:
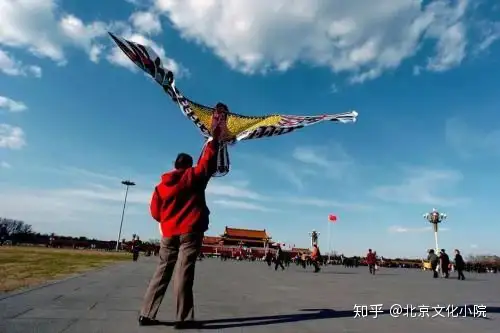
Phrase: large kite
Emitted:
{"points": [[233, 127]]}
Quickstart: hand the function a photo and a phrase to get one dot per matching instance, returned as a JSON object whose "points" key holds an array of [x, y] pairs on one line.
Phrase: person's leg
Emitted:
{"points": [[190, 245], [169, 249], [316, 266]]}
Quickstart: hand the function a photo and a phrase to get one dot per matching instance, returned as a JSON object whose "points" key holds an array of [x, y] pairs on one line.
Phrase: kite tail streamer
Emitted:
{"points": [[223, 163]]}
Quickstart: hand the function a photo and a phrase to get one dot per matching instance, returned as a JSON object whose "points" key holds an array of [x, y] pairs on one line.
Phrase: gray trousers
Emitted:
{"points": [[181, 250]]}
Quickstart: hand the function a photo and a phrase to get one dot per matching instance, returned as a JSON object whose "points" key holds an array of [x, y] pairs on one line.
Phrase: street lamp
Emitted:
{"points": [[127, 184], [266, 245], [435, 218], [314, 237]]}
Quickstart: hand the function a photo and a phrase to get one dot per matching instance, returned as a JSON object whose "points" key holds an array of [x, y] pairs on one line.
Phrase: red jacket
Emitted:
{"points": [[178, 201], [370, 258]]}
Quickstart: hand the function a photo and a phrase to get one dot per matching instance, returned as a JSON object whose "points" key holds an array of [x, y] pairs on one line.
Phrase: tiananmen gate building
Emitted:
{"points": [[235, 239]]}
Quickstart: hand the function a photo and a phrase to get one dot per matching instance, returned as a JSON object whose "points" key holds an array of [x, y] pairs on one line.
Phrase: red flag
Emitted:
{"points": [[332, 218]]}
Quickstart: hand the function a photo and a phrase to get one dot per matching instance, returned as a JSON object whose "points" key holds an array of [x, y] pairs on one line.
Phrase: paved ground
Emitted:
{"points": [[249, 297]]}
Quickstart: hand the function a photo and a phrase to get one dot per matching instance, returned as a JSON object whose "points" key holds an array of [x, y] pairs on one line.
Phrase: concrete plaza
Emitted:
{"points": [[250, 297]]}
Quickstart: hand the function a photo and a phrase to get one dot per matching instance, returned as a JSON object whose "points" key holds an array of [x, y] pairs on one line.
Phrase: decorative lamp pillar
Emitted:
{"points": [[314, 237], [266, 245], [435, 218]]}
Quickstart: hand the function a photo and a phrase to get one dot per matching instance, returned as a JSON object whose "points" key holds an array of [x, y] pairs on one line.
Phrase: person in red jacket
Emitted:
{"points": [[315, 257], [179, 206], [371, 260]]}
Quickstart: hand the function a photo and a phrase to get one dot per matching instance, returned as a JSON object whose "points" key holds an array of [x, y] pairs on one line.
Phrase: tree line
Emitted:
{"points": [[17, 232]]}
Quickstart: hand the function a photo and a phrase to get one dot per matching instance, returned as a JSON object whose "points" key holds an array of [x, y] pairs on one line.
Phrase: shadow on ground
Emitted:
{"points": [[311, 314]]}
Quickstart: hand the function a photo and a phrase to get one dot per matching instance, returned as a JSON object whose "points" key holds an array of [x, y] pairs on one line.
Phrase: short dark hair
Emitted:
{"points": [[183, 161], [222, 106]]}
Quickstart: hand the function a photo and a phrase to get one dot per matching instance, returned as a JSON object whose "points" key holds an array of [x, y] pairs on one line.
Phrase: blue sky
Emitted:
{"points": [[76, 118]]}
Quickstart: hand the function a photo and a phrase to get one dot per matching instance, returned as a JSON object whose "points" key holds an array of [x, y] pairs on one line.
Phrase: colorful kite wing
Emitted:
{"points": [[238, 127]]}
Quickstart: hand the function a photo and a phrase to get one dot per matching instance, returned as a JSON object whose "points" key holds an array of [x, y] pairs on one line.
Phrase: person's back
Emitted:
{"points": [[315, 253], [178, 202], [279, 253], [459, 261], [178, 205], [315, 257], [445, 260], [370, 258], [433, 258]]}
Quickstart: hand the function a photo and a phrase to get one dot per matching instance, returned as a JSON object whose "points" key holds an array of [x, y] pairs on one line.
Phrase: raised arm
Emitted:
{"points": [[207, 163]]}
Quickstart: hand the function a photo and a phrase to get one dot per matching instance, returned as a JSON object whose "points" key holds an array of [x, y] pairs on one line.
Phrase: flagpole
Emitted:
{"points": [[329, 241]]}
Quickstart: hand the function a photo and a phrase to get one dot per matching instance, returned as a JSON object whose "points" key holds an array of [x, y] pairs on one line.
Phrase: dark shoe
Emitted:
{"points": [[187, 325], [145, 321]]}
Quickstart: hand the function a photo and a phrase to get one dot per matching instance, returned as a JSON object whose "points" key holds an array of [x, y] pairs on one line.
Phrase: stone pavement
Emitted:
{"points": [[250, 297]]}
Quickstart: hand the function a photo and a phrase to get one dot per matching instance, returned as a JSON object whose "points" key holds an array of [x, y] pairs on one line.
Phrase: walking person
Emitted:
{"points": [[279, 259], [459, 265], [445, 264], [179, 205], [434, 259], [315, 257], [371, 260]]}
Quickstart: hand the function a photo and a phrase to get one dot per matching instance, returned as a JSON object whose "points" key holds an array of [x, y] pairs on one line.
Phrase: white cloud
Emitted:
{"points": [[469, 142], [490, 33], [146, 22], [233, 191], [12, 105], [361, 38], [241, 205], [11, 137], [334, 88], [88, 210], [31, 24], [400, 229], [450, 49], [117, 57], [473, 246], [324, 203], [84, 35], [13, 67], [40, 27], [5, 165], [332, 159], [422, 186], [281, 168]]}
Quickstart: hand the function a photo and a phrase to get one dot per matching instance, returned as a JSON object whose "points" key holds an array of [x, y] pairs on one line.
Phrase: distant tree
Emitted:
{"points": [[15, 230], [154, 241], [12, 227]]}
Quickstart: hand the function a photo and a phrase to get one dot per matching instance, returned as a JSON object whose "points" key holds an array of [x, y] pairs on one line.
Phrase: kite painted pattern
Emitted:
{"points": [[239, 127]]}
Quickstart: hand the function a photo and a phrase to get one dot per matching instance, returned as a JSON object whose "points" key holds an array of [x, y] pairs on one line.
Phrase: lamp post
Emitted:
{"points": [[127, 184], [266, 245], [435, 218], [314, 237]]}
